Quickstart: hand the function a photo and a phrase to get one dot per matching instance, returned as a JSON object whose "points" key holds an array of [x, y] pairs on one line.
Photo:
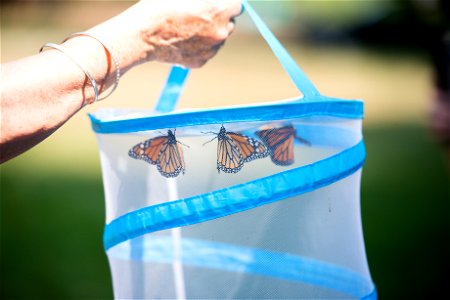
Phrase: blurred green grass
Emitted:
{"points": [[51, 229], [405, 211], [52, 222]]}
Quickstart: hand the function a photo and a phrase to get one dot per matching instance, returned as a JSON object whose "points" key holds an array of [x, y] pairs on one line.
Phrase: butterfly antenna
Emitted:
{"points": [[208, 132], [210, 140], [183, 144], [303, 141]]}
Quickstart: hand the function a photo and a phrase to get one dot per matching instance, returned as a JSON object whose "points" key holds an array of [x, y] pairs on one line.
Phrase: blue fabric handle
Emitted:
{"points": [[302, 82], [178, 75], [172, 90]]}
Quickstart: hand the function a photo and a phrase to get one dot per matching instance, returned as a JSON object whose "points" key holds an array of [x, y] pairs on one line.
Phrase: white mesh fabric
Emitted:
{"points": [[323, 225]]}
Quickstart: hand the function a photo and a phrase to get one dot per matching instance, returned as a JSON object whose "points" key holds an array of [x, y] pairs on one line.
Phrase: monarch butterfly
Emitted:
{"points": [[164, 152], [280, 142], [235, 149]]}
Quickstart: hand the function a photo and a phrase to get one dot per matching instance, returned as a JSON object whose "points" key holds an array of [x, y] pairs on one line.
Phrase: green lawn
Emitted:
{"points": [[51, 223], [51, 236], [406, 212]]}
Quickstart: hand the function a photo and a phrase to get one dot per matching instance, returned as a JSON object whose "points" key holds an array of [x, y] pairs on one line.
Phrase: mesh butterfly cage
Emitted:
{"points": [[244, 202]]}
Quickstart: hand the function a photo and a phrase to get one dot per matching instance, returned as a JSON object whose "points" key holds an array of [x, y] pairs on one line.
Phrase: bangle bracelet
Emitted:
{"points": [[89, 76], [116, 63]]}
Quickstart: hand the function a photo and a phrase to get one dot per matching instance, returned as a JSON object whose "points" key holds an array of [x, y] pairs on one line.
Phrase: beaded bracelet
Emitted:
{"points": [[116, 63], [89, 76]]}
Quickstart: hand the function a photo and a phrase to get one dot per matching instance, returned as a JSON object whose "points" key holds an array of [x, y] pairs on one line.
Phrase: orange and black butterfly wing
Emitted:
{"points": [[171, 161], [229, 158], [250, 148], [283, 153], [149, 150], [280, 142]]}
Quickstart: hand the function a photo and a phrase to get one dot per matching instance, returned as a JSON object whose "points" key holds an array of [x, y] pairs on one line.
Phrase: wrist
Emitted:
{"points": [[106, 56], [123, 47], [124, 35]]}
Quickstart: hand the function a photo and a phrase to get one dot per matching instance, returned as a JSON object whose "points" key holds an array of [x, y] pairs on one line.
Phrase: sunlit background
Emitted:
{"points": [[52, 209]]}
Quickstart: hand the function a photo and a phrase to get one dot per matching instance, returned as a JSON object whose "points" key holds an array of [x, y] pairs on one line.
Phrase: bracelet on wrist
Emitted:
{"points": [[86, 72], [116, 63]]}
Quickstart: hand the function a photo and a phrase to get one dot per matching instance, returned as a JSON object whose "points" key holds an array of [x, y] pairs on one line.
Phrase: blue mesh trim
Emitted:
{"points": [[372, 296], [351, 109], [235, 198], [233, 258]]}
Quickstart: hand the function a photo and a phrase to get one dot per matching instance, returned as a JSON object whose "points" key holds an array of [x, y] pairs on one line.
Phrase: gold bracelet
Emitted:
{"points": [[89, 76], [116, 63]]}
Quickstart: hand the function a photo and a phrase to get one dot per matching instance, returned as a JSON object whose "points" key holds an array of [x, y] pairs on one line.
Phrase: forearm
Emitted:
{"points": [[38, 94], [41, 92]]}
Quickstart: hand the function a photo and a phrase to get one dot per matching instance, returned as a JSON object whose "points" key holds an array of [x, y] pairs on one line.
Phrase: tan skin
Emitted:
{"points": [[41, 92]]}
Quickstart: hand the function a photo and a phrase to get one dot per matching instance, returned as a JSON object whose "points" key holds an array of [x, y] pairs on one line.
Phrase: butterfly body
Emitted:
{"points": [[164, 152], [235, 149], [280, 142], [229, 158]]}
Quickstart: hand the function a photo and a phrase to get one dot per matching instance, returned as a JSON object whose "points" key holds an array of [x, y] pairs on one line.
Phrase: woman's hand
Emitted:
{"points": [[188, 32], [183, 32]]}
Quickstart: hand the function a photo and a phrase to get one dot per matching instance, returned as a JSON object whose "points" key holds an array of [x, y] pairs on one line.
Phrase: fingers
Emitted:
{"points": [[200, 59], [194, 32], [234, 7], [233, 10], [217, 46], [230, 25]]}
